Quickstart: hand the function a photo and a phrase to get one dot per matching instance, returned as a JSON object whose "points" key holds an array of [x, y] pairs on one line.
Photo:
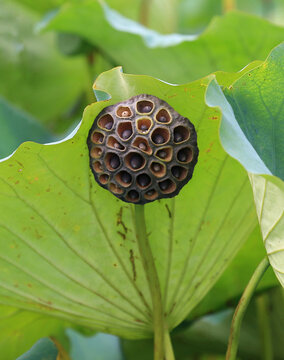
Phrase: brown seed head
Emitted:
{"points": [[141, 149]]}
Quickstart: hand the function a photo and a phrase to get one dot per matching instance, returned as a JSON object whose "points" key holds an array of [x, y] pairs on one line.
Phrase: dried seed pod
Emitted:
{"points": [[141, 149]]}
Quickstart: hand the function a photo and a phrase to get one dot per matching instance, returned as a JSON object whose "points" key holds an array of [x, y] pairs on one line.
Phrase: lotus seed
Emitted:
{"points": [[142, 146], [178, 137], [157, 167], [176, 171], [125, 177], [108, 125], [100, 138], [126, 134], [133, 194], [158, 139], [125, 113], [162, 119], [114, 161], [182, 156], [143, 180], [164, 185], [118, 146], [144, 127], [162, 154], [146, 109], [136, 161], [104, 178]]}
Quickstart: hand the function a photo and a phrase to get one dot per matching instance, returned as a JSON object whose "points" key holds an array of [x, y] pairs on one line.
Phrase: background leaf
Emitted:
{"points": [[17, 127], [248, 122], [229, 43], [34, 76]]}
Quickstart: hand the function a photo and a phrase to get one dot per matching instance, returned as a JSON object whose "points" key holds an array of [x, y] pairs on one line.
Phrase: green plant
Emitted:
{"points": [[79, 256]]}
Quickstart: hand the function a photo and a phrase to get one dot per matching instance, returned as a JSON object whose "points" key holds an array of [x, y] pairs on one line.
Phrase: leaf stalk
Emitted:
{"points": [[262, 304], [162, 343], [241, 309]]}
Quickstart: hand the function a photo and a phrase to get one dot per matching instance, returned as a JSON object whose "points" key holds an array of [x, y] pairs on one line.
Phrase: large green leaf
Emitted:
{"points": [[34, 75], [252, 131], [229, 43], [70, 250]]}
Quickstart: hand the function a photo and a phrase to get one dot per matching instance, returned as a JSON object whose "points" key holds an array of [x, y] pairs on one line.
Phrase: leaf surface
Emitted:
{"points": [[252, 131]]}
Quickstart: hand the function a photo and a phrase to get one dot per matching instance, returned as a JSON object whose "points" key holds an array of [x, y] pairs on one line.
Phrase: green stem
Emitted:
{"points": [[168, 347], [144, 12], [264, 326], [241, 308], [162, 343], [90, 59]]}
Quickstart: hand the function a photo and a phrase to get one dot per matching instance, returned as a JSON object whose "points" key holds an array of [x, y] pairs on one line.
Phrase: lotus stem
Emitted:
{"points": [[241, 309], [162, 343], [262, 303]]}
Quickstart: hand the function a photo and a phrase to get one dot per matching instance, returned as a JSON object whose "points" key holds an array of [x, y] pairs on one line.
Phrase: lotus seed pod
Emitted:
{"points": [[142, 150]]}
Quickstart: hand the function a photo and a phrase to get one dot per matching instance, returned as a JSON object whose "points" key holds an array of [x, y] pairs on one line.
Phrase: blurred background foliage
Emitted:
{"points": [[48, 74], [50, 53]]}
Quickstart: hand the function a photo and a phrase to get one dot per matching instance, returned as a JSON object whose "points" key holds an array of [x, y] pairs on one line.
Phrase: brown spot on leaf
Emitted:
{"points": [[169, 211], [120, 221], [18, 162], [132, 260], [122, 235], [209, 148], [172, 308], [138, 320]]}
